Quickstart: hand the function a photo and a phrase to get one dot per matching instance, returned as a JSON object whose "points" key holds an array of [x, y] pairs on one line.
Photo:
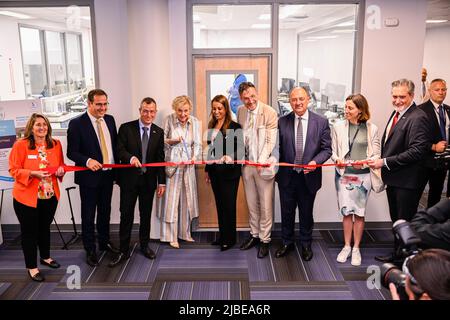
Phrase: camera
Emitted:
{"points": [[409, 242], [407, 239], [390, 273]]}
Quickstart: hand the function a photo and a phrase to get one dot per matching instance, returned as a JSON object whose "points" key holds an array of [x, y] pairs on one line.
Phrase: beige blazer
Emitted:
{"points": [[340, 147], [266, 129]]}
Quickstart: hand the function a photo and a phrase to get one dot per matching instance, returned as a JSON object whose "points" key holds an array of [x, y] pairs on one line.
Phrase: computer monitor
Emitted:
{"points": [[335, 91], [305, 85], [324, 102], [314, 83], [287, 84]]}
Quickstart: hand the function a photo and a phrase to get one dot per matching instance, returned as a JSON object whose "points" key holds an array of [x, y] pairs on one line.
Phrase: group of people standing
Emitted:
{"points": [[364, 162]]}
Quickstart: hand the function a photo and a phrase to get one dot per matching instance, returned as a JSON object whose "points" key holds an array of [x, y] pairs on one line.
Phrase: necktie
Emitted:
{"points": [[394, 122], [103, 147], [424, 89], [144, 147], [442, 122], [299, 145]]}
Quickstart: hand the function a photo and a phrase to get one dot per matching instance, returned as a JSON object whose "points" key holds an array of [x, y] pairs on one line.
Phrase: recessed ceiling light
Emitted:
{"points": [[260, 26], [436, 21], [196, 18], [15, 15], [265, 16]]}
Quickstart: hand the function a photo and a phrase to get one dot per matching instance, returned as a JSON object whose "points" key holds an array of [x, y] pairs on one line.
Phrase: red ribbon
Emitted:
{"points": [[67, 168]]}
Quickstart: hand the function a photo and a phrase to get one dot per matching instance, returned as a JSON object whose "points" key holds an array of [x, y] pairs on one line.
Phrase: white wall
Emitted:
{"points": [[287, 43], [436, 55]]}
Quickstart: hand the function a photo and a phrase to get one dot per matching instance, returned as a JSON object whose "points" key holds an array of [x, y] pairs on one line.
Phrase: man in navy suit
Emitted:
{"points": [[405, 143], [304, 138], [438, 120], [91, 142]]}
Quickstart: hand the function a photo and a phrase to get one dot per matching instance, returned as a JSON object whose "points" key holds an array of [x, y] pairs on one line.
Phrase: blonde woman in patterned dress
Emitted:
{"points": [[36, 192], [355, 139], [182, 142]]}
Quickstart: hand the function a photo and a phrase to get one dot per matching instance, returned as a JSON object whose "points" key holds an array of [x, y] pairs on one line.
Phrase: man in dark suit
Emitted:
{"points": [[405, 142], [139, 142], [304, 138], [438, 120], [91, 141]]}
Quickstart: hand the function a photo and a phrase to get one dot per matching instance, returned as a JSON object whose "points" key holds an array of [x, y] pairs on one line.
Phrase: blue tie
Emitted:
{"points": [[442, 122]]}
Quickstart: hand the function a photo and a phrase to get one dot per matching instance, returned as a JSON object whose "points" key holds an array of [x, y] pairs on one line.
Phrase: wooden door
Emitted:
{"points": [[212, 76]]}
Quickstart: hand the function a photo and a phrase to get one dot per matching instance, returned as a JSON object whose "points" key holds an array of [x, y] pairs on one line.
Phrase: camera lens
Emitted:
{"points": [[391, 274]]}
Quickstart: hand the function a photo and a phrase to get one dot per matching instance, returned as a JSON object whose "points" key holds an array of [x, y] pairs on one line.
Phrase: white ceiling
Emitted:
{"points": [[60, 15]]}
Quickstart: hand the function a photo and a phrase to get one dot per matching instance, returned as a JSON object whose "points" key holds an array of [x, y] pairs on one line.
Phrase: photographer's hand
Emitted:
{"points": [[394, 292]]}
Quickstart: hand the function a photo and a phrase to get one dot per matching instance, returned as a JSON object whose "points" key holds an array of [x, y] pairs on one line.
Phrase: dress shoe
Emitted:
{"points": [[148, 253], [38, 277], [189, 239], [249, 243], [91, 259], [386, 258], [52, 264], [225, 247], [118, 259], [263, 250], [307, 253], [175, 244], [284, 250], [109, 247]]}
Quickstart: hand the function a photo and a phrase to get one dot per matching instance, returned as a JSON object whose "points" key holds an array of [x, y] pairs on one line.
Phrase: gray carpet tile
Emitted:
{"points": [[199, 271], [360, 291], [301, 291]]}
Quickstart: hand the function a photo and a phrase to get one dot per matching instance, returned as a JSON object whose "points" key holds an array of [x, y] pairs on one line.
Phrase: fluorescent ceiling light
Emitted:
{"points": [[309, 40], [344, 31], [15, 15], [436, 21], [196, 18], [86, 18], [260, 26], [322, 37], [346, 24], [265, 16]]}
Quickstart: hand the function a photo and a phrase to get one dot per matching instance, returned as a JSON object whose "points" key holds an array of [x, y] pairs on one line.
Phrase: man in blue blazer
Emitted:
{"points": [[304, 138], [91, 142]]}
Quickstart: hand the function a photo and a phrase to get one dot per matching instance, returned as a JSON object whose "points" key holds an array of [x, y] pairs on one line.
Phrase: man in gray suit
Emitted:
{"points": [[259, 122]]}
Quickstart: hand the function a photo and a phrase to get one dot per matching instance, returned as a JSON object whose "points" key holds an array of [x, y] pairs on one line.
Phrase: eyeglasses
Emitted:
{"points": [[101, 104]]}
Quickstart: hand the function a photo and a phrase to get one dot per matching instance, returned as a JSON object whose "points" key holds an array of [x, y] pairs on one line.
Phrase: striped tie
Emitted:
{"points": [[299, 145], [103, 147]]}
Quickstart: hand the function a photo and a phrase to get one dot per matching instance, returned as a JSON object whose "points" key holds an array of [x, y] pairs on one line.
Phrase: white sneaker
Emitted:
{"points": [[356, 257], [344, 254]]}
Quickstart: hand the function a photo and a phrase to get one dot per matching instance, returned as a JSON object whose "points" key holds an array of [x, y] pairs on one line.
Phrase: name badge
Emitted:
{"points": [[32, 156]]}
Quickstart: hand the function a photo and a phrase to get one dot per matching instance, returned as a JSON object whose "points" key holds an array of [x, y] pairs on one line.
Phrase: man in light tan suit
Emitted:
{"points": [[259, 122]]}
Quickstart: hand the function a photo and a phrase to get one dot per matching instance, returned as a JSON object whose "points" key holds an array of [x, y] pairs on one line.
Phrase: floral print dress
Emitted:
{"points": [[45, 189]]}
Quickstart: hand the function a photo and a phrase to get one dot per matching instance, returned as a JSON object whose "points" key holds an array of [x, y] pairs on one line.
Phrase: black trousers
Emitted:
{"points": [[296, 195], [225, 193], [435, 179], [402, 202], [92, 200], [145, 191], [35, 229]]}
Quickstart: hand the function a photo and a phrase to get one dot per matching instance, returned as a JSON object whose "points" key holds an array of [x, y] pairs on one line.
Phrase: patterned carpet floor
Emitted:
{"points": [[198, 271]]}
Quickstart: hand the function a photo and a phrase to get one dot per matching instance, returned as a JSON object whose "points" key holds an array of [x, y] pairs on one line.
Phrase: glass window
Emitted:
{"points": [[74, 62], [316, 51], [231, 26], [56, 64], [33, 63]]}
